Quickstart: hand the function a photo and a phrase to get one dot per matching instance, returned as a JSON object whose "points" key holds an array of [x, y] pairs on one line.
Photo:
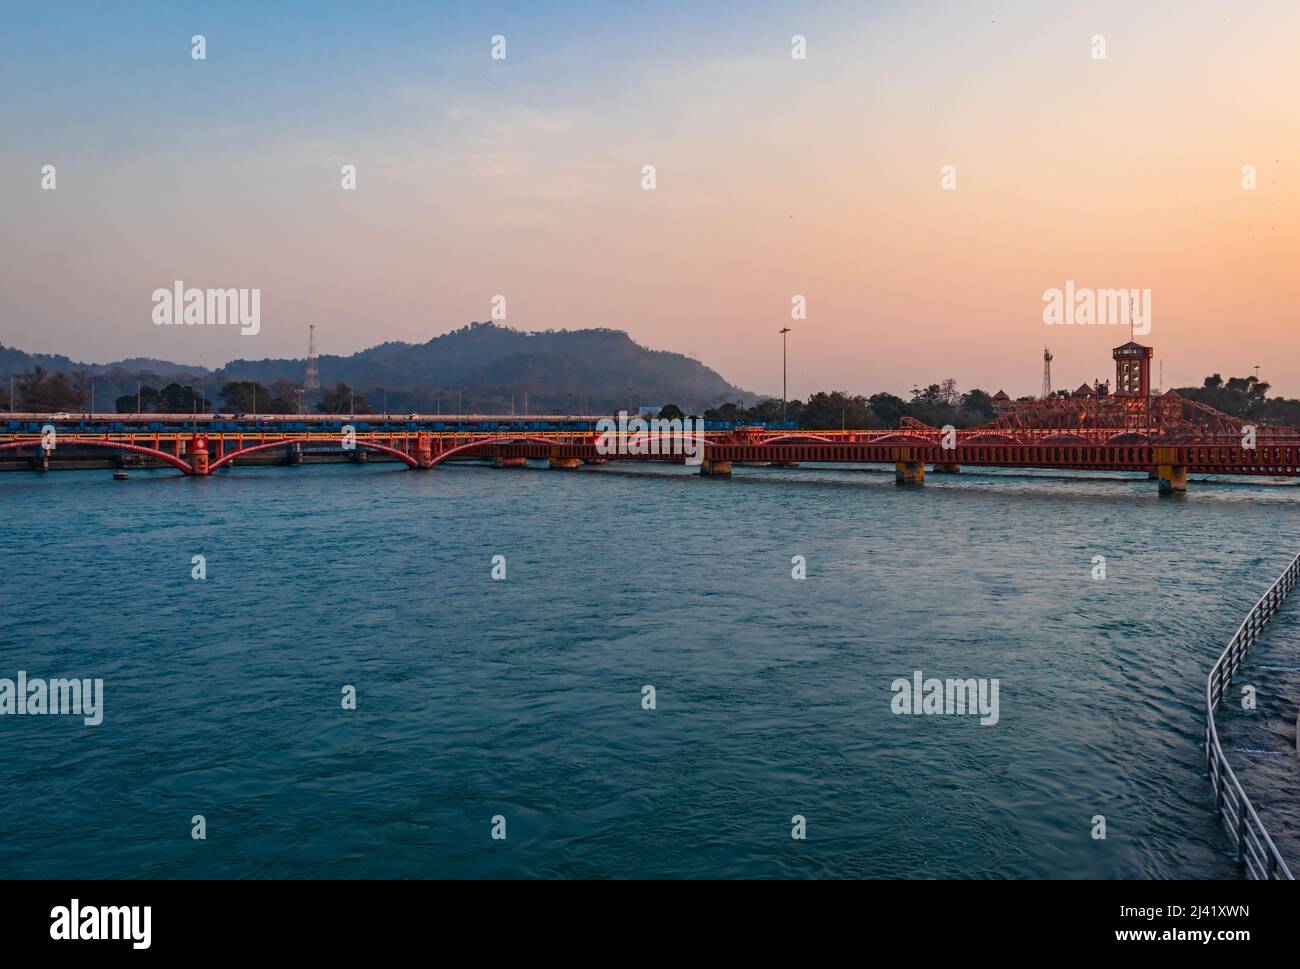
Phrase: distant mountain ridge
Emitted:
{"points": [[484, 364]]}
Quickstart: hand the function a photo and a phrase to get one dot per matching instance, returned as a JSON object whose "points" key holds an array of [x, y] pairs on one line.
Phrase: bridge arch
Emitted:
{"points": [[783, 438], [171, 459], [1066, 438], [443, 456], [904, 438], [1128, 437], [286, 442], [1002, 440]]}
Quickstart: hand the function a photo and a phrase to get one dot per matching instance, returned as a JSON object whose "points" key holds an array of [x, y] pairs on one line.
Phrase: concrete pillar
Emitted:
{"points": [[198, 454], [713, 468], [947, 469], [909, 472], [359, 456], [567, 464], [295, 454], [424, 451], [41, 462], [501, 462], [1173, 479]]}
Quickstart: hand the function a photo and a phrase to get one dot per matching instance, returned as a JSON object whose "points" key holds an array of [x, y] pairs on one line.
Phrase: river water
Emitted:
{"points": [[522, 699]]}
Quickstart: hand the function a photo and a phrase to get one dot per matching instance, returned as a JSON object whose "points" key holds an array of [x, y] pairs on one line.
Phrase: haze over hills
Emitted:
{"points": [[480, 365]]}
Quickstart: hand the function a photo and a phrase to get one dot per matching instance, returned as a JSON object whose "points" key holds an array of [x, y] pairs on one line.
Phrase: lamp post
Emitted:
{"points": [[784, 331]]}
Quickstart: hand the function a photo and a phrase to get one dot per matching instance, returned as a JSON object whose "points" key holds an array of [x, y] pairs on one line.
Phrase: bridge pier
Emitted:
{"points": [[295, 455], [41, 460], [198, 455], [713, 468], [566, 464], [947, 468], [501, 462], [909, 472], [1173, 479], [424, 451], [595, 460], [359, 456]]}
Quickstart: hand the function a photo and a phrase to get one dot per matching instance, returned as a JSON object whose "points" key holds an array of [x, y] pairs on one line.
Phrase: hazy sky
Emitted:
{"points": [[775, 177]]}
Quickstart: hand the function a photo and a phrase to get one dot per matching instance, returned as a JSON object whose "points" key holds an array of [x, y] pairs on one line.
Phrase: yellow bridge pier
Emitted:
{"points": [[909, 472], [567, 464], [1173, 479], [1171, 474], [713, 468], [947, 468], [503, 462]]}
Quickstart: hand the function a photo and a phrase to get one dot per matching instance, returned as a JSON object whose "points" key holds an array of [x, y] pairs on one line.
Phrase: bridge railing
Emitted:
{"points": [[1255, 849]]}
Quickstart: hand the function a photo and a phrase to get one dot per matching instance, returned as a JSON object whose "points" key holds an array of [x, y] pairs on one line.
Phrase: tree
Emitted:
{"points": [[341, 400], [835, 411], [979, 405], [727, 412], [178, 399], [247, 397], [146, 399], [40, 392], [1244, 397], [888, 409], [284, 397], [671, 412], [31, 388], [83, 389]]}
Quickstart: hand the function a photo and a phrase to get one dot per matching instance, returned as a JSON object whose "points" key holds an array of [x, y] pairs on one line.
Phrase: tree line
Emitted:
{"points": [[936, 405], [241, 397], [40, 391], [1246, 398]]}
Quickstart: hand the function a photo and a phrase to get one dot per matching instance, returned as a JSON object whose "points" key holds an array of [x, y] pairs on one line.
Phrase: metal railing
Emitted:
{"points": [[1255, 849]]}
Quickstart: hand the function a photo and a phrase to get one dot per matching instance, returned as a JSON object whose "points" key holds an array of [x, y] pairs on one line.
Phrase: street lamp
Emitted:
{"points": [[784, 331]]}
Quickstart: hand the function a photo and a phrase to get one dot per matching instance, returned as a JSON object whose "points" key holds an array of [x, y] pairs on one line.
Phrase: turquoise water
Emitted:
{"points": [[522, 698]]}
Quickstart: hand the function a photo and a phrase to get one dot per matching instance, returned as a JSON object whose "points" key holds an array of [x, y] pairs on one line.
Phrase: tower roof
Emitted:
{"points": [[1128, 348], [1001, 395]]}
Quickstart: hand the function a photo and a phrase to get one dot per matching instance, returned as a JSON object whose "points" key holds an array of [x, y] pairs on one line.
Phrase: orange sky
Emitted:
{"points": [[776, 177]]}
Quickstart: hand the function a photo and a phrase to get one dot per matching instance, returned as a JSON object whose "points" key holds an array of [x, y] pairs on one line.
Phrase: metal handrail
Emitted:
{"points": [[1255, 849]]}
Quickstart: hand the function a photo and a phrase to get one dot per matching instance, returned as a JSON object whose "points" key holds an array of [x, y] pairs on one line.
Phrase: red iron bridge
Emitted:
{"points": [[1166, 436]]}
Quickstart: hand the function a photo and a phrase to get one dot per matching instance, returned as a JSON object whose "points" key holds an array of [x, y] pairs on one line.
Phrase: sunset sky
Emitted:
{"points": [[775, 177]]}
